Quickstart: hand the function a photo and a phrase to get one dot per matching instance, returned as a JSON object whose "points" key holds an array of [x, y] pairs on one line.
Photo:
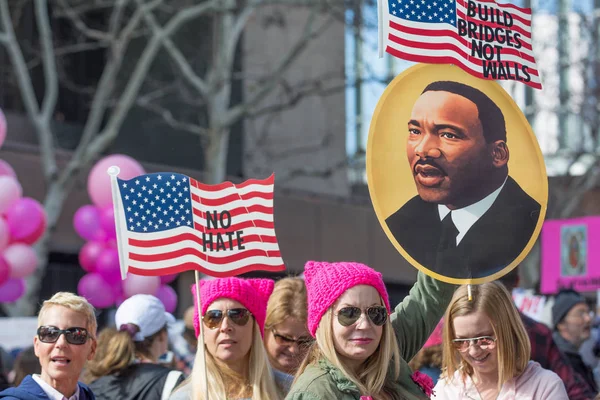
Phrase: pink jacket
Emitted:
{"points": [[535, 383]]}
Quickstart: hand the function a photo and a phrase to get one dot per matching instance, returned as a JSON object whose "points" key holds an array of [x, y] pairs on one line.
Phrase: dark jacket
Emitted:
{"points": [[30, 390], [136, 382], [492, 243], [413, 321], [571, 352]]}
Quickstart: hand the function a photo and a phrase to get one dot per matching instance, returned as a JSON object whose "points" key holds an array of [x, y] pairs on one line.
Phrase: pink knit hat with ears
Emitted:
{"points": [[251, 293], [326, 282]]}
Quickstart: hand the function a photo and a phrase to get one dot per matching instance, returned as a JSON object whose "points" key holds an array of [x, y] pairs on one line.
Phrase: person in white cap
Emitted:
{"points": [[126, 363]]}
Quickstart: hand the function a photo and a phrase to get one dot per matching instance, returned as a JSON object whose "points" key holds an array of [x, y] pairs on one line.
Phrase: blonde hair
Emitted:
{"points": [[372, 379], [115, 351], [288, 300], [513, 347], [260, 379], [72, 302]]}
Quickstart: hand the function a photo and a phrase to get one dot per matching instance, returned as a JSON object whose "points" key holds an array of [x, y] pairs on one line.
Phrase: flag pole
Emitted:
{"points": [[113, 172], [380, 27], [200, 346]]}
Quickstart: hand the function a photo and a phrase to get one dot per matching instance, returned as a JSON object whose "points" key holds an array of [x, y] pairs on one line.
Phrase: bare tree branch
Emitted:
{"points": [[237, 112], [174, 52], [81, 26], [41, 124], [49, 63]]}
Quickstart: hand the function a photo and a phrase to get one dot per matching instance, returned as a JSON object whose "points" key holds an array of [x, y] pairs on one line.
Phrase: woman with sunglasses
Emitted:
{"points": [[236, 366], [361, 348], [286, 335], [126, 365], [65, 340], [487, 350]]}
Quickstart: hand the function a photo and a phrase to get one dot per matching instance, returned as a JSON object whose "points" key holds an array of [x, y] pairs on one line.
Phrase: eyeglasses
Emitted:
{"points": [[483, 342], [50, 334], [349, 315], [583, 313], [239, 316], [288, 341]]}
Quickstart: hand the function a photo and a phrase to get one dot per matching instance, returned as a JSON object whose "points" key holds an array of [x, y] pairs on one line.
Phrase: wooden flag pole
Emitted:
{"points": [[469, 294], [201, 336]]}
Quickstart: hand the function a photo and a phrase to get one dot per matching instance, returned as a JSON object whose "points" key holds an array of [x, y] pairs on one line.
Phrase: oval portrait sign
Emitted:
{"points": [[456, 175]]}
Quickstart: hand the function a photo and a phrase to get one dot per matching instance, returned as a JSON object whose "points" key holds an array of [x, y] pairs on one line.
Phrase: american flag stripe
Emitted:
{"points": [[428, 31], [167, 236]]}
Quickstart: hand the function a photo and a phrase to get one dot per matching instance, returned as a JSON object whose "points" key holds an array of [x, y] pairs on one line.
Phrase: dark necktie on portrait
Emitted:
{"points": [[448, 234]]}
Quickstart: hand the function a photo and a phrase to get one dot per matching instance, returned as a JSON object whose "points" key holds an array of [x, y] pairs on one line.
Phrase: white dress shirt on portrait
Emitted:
{"points": [[464, 218], [52, 393]]}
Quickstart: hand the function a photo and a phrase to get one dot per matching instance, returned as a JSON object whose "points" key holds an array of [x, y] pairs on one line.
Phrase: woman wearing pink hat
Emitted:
{"points": [[233, 313], [361, 344]]}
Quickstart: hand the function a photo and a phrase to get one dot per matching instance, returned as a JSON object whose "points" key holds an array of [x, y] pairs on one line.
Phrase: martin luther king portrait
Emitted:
{"points": [[470, 219]]}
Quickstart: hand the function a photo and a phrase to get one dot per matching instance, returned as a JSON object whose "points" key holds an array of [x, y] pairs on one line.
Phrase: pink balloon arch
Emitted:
{"points": [[99, 256], [22, 223]]}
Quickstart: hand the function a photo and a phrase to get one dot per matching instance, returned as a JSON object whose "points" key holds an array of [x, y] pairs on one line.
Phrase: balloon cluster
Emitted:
{"points": [[22, 223], [99, 257]]}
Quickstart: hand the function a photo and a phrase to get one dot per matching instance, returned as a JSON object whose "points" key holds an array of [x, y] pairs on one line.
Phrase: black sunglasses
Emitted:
{"points": [[283, 340], [239, 316], [349, 315], [50, 334]]}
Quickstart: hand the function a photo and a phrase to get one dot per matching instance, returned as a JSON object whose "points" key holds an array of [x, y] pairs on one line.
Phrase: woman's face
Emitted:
{"points": [[287, 344], [356, 342], [228, 342], [477, 324]]}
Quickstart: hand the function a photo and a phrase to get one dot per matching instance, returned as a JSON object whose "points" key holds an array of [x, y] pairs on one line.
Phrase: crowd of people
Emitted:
{"points": [[331, 335]]}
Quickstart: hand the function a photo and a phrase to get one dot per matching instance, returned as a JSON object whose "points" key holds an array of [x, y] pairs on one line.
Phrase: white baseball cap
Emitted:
{"points": [[145, 311]]}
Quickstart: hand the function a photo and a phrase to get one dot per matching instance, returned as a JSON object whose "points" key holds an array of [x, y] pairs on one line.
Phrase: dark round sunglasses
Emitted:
{"points": [[283, 340], [50, 334], [213, 318], [349, 315]]}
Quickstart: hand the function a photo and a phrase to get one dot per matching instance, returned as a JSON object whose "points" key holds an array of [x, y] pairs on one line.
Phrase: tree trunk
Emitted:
{"points": [[215, 156]]}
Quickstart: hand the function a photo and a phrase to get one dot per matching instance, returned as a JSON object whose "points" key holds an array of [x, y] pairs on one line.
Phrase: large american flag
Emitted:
{"points": [[428, 31], [169, 222]]}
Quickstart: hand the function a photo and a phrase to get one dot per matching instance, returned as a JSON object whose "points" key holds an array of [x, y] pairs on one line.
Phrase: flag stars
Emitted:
{"points": [[178, 223], [144, 188], [139, 194], [128, 208], [162, 190], [176, 212], [147, 179], [145, 229], [132, 190], [153, 215], [185, 189], [178, 183], [168, 195], [130, 220], [137, 182], [155, 186], [124, 185], [189, 222], [168, 183], [126, 197], [146, 200], [187, 200], [159, 177]]}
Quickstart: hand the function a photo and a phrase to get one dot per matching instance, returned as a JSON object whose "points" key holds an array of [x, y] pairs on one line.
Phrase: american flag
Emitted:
{"points": [[429, 31], [168, 223]]}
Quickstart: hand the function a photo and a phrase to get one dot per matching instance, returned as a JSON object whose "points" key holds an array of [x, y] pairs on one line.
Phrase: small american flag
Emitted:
{"points": [[485, 39], [168, 223]]}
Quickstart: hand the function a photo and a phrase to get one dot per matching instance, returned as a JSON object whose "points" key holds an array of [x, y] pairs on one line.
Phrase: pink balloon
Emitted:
{"points": [[96, 290], [166, 279], [98, 184], [22, 260], [12, 290], [4, 234], [34, 236], [107, 220], [25, 218], [86, 222], [138, 284], [107, 265], [6, 169], [10, 192], [2, 128], [168, 296], [4, 271], [88, 255]]}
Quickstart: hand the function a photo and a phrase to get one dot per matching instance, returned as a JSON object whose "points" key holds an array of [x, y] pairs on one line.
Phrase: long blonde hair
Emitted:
{"points": [[375, 376], [260, 376], [288, 300], [513, 346]]}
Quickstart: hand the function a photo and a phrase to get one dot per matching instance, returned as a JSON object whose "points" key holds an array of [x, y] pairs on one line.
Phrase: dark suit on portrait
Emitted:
{"points": [[491, 244]]}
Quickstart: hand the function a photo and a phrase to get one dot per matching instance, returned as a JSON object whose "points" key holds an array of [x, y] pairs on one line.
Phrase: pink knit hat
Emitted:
{"points": [[326, 282], [251, 293]]}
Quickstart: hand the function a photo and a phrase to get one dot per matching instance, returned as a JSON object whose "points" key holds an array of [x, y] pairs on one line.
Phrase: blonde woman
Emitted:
{"points": [[126, 364], [233, 314], [65, 340], [287, 339], [361, 345], [487, 350]]}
